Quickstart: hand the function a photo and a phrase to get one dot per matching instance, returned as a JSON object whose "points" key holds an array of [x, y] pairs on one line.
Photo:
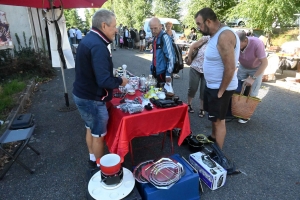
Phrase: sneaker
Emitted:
{"points": [[211, 138], [190, 109], [176, 76], [92, 164], [243, 121]]}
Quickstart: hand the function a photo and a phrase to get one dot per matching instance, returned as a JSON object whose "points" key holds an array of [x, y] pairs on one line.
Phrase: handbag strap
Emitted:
{"points": [[244, 88], [202, 44]]}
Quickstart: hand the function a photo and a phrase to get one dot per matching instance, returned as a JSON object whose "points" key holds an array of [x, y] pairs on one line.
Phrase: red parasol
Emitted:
{"points": [[51, 4], [57, 3]]}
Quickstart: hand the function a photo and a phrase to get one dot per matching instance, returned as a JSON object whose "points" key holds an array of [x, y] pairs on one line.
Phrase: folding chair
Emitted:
{"points": [[20, 135]]}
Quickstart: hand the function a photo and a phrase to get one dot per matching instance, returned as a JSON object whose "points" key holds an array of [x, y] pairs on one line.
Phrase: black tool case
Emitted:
{"points": [[22, 121]]}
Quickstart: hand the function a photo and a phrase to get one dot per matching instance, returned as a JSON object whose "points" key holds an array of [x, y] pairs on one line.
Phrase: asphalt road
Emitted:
{"points": [[266, 149]]}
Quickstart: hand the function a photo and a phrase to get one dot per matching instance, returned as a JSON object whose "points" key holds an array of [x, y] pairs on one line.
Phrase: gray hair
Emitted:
{"points": [[102, 15], [242, 35]]}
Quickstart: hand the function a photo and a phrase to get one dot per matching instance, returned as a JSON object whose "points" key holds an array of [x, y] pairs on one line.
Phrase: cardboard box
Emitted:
{"points": [[210, 172]]}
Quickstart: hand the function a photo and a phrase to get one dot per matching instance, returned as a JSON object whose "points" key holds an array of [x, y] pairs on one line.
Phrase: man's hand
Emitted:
{"points": [[249, 81], [124, 81], [220, 94]]}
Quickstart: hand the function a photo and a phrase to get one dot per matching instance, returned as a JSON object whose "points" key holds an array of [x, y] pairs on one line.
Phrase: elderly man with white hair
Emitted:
{"points": [[95, 81], [163, 53]]}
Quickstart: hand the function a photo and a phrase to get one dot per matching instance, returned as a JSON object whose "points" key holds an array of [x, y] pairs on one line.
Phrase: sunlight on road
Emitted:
{"points": [[146, 56]]}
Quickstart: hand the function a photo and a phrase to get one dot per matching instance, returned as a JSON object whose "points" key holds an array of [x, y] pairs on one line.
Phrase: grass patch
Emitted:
{"points": [[8, 91]]}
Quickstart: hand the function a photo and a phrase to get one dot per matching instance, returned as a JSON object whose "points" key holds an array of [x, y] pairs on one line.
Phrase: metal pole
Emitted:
{"points": [[62, 69]]}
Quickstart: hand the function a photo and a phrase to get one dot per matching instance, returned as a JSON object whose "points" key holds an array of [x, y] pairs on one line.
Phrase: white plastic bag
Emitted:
{"points": [[169, 88]]}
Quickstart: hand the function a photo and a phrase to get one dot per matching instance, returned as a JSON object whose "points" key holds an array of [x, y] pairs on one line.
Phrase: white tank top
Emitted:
{"points": [[213, 66]]}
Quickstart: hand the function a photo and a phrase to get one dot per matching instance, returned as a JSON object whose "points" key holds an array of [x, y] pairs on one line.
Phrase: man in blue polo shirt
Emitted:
{"points": [[94, 80]]}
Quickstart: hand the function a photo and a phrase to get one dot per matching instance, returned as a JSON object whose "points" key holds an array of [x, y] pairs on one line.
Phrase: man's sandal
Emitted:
{"points": [[201, 113]]}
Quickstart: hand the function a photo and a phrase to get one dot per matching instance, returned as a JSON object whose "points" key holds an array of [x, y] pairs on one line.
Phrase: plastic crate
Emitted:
{"points": [[186, 188]]}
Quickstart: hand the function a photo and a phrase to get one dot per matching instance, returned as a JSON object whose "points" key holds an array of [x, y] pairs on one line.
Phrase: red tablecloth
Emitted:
{"points": [[123, 127]]}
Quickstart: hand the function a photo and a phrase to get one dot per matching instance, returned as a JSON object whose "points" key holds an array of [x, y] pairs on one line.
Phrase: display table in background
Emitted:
{"points": [[123, 127]]}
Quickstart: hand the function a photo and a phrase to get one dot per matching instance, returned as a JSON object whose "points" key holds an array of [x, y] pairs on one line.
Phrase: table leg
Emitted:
{"points": [[131, 153], [172, 146]]}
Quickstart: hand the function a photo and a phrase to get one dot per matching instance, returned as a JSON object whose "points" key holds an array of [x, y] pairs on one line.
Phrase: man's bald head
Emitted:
{"points": [[155, 26], [242, 35], [243, 39]]}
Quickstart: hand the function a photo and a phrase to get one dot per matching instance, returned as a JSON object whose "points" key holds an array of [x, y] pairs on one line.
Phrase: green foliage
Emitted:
{"points": [[262, 13], [27, 61], [132, 13], [167, 8], [6, 57], [220, 7], [7, 91], [88, 18], [73, 19]]}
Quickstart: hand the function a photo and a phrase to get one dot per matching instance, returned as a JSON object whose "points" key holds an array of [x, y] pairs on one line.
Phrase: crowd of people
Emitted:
{"points": [[129, 38], [74, 35], [224, 60]]}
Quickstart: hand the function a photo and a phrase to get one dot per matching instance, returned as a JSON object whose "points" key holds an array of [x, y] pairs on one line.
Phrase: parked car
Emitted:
{"points": [[236, 22]]}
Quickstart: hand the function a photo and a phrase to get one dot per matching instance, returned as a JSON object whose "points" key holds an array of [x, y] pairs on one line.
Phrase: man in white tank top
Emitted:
{"points": [[219, 67]]}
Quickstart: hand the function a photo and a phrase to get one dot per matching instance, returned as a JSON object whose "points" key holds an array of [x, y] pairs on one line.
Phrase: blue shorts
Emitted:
{"points": [[94, 114]]}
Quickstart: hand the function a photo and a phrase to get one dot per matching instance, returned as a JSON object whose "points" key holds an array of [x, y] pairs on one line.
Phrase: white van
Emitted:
{"points": [[176, 26]]}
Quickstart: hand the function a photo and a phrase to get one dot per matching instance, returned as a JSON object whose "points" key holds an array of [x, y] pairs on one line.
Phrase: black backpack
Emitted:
{"points": [[178, 64], [218, 156]]}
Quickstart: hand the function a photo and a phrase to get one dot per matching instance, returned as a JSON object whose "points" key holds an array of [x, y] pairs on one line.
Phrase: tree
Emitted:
{"points": [[88, 18], [142, 10], [167, 8], [263, 13], [220, 7], [73, 19]]}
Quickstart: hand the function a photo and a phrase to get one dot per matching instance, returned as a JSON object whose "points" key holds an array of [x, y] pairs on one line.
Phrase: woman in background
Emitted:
{"points": [[193, 35], [196, 74], [172, 34]]}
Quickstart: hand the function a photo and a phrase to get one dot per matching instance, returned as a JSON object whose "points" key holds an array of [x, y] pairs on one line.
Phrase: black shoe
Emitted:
{"points": [[190, 109], [92, 164], [211, 138]]}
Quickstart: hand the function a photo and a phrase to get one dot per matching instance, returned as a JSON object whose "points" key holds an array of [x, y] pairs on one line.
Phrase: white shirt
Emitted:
{"points": [[213, 67], [197, 63], [72, 32], [126, 33], [78, 34]]}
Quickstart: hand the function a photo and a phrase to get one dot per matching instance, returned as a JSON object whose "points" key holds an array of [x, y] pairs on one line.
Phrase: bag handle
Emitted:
{"points": [[243, 90], [201, 45]]}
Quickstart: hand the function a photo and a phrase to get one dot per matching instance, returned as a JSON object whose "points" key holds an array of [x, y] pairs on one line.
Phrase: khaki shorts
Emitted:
{"points": [[142, 42]]}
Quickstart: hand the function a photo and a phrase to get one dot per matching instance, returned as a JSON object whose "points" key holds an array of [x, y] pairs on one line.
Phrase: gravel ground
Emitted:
{"points": [[266, 149]]}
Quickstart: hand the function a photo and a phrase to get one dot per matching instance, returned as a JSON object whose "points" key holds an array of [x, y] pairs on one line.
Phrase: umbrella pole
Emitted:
{"points": [[63, 63]]}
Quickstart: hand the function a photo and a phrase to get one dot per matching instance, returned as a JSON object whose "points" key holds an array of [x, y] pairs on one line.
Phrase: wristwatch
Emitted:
{"points": [[254, 77]]}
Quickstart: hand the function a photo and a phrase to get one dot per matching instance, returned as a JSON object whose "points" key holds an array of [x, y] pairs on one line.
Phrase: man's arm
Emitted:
{"points": [[264, 63], [226, 45], [194, 46], [169, 53], [261, 54], [101, 67]]}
